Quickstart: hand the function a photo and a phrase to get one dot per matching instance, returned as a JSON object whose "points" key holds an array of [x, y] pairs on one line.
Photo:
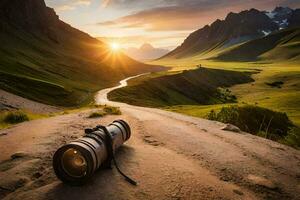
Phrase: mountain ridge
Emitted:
{"points": [[236, 28]]}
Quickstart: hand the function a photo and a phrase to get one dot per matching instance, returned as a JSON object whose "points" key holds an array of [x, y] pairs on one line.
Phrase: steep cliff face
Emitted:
{"points": [[45, 59]]}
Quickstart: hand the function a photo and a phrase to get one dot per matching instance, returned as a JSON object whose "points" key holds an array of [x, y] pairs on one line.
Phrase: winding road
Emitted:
{"points": [[172, 156]]}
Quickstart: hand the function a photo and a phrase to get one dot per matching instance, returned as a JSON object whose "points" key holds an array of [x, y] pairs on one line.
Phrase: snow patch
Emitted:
{"points": [[266, 32], [282, 24], [271, 15]]}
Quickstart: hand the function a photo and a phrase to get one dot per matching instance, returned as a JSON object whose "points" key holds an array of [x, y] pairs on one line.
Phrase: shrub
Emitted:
{"points": [[277, 84], [97, 114], [225, 95], [112, 110], [293, 137], [107, 110], [15, 117], [256, 120]]}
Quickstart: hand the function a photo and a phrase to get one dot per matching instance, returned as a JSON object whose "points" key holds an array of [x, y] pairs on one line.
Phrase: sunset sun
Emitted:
{"points": [[115, 46]]}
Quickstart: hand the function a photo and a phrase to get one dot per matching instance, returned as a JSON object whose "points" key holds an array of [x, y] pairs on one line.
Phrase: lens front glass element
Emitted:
{"points": [[73, 163]]}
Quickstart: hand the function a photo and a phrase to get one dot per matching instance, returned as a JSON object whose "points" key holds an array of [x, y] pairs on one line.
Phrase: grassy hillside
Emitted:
{"points": [[284, 99], [194, 87], [46, 60], [282, 45]]}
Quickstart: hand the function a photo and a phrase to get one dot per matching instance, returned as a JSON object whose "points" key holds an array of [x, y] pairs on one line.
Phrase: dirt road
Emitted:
{"points": [[172, 156]]}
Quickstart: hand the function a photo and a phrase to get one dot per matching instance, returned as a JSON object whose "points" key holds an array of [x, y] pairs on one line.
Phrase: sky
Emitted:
{"points": [[162, 23]]}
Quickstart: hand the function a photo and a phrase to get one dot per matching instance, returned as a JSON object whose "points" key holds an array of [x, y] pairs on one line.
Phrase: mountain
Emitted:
{"points": [[44, 59], [236, 28], [146, 52], [280, 16]]}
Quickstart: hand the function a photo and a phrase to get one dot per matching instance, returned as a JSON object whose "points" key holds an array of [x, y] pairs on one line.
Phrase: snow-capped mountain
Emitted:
{"points": [[237, 28], [281, 16]]}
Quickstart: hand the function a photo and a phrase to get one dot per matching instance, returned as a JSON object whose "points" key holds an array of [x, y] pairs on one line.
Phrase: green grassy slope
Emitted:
{"points": [[284, 99], [282, 45], [55, 63], [194, 87]]}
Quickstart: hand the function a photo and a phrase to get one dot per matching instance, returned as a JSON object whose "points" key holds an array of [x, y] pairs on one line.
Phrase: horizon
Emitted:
{"points": [[133, 23]]}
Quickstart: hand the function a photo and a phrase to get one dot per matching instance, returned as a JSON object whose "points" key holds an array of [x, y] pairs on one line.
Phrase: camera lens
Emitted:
{"points": [[73, 163], [76, 162]]}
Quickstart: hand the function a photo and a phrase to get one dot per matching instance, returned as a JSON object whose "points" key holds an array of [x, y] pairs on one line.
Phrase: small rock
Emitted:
{"points": [[37, 175], [230, 127], [19, 155], [3, 134], [225, 179], [21, 182], [238, 192], [262, 181], [74, 137], [223, 169]]}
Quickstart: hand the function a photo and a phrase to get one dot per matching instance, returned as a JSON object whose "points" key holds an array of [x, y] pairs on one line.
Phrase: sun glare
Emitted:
{"points": [[115, 46]]}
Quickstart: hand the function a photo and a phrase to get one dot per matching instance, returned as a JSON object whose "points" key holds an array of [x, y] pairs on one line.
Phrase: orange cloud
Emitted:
{"points": [[71, 4], [105, 3], [184, 15]]}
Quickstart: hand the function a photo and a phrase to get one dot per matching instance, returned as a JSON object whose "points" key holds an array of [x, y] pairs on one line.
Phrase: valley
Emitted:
{"points": [[218, 117], [271, 60]]}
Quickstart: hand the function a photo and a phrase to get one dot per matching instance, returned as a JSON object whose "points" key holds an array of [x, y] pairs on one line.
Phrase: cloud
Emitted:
{"points": [[70, 4], [184, 15], [105, 3]]}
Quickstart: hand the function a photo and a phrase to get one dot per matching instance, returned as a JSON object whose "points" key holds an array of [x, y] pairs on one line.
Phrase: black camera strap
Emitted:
{"points": [[111, 155]]}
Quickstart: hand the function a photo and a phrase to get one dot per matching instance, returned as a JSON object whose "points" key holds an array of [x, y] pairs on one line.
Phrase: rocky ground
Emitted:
{"points": [[10, 101]]}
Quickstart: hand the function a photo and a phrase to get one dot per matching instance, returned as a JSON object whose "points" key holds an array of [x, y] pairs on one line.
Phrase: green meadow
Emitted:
{"points": [[285, 98]]}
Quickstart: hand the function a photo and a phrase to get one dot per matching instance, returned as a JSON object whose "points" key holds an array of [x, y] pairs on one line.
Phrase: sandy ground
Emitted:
{"points": [[172, 156], [10, 101]]}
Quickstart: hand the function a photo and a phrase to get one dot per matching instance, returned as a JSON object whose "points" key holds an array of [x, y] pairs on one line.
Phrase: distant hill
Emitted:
{"points": [[146, 52], [236, 28], [44, 59]]}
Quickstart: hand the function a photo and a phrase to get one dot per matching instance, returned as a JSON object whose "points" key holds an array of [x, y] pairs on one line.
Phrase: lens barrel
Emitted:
{"points": [[76, 162]]}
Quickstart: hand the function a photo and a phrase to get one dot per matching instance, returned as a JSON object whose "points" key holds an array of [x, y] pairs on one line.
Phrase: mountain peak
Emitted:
{"points": [[146, 52], [283, 9], [146, 47], [281, 16]]}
